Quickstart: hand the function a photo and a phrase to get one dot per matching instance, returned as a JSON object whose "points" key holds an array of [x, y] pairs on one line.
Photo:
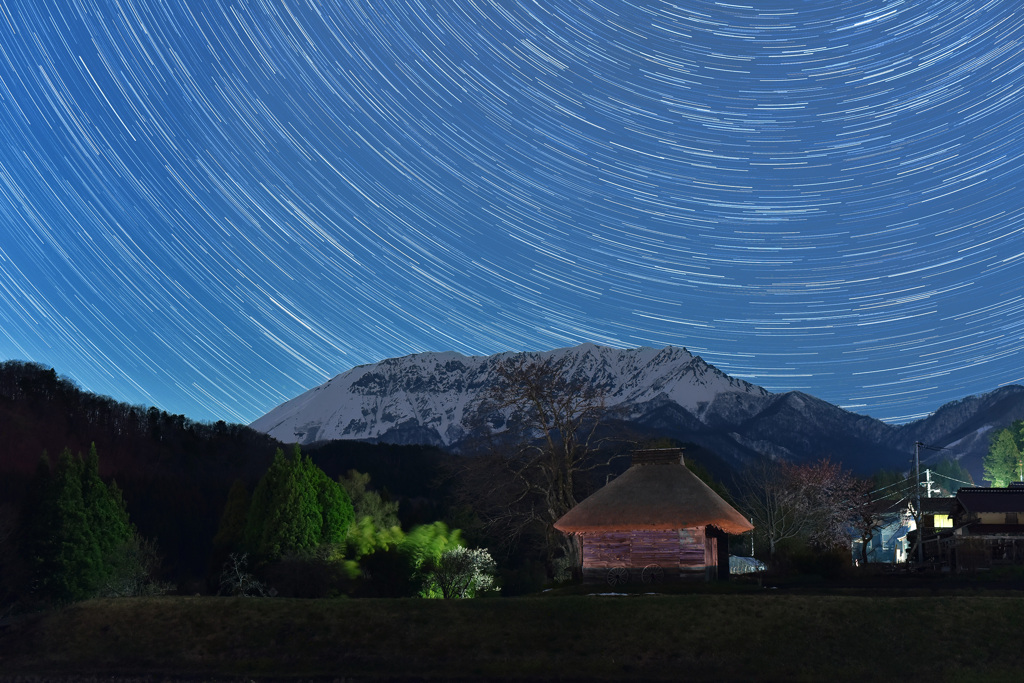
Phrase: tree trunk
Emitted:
{"points": [[565, 561]]}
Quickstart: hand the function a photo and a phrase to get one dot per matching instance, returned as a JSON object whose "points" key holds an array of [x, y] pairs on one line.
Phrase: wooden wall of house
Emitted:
{"points": [[606, 550], [682, 553], [693, 555]]}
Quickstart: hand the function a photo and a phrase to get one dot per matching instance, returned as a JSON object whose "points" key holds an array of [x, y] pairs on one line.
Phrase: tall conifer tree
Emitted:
{"points": [[76, 525], [1003, 464], [232, 521], [295, 509], [105, 510]]}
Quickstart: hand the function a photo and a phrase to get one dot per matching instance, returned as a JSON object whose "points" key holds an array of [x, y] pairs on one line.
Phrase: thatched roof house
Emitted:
{"points": [[655, 520]]}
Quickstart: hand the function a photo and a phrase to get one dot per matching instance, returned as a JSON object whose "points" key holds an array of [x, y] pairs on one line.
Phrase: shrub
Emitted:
{"points": [[133, 570], [460, 573], [398, 561], [828, 565]]}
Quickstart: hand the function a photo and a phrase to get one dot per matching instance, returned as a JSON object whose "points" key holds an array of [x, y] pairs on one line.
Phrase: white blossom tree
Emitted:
{"points": [[461, 573]]}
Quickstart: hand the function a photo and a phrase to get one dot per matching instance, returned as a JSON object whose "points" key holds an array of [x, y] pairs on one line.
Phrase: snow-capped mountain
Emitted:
{"points": [[434, 397]]}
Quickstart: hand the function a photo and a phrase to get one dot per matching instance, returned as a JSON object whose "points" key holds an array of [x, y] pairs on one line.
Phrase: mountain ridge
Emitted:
{"points": [[433, 398], [438, 391]]}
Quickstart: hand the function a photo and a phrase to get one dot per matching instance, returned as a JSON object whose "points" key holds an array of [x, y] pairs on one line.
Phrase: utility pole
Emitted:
{"points": [[917, 493], [917, 501]]}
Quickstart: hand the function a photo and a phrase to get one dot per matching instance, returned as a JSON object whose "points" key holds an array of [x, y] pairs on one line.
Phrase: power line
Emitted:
{"points": [[903, 493], [882, 488], [959, 481]]}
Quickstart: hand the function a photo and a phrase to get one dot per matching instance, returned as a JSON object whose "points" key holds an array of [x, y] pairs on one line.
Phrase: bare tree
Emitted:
{"points": [[235, 579], [818, 502], [768, 498], [544, 425]]}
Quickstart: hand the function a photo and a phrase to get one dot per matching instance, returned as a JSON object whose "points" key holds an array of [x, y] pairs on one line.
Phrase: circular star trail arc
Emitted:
{"points": [[211, 207]]}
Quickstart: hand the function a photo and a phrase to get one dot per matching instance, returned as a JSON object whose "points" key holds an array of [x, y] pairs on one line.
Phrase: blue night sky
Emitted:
{"points": [[213, 206]]}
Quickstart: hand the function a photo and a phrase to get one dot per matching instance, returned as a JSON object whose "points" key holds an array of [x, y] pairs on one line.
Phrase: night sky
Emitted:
{"points": [[213, 206]]}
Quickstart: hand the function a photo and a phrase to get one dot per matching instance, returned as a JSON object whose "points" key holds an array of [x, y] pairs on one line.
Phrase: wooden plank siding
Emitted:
{"points": [[682, 553], [603, 551], [691, 548], [662, 548]]}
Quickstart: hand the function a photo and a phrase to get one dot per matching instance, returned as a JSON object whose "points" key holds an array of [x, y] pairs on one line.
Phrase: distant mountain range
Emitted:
{"points": [[435, 398]]}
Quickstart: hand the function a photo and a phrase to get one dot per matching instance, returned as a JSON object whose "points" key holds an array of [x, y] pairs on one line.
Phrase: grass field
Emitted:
{"points": [[756, 635]]}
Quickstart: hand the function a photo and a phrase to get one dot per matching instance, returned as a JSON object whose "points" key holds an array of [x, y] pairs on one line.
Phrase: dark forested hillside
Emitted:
{"points": [[41, 411], [175, 473]]}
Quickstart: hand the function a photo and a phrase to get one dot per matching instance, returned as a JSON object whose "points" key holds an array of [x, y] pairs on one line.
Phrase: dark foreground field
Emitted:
{"points": [[751, 636]]}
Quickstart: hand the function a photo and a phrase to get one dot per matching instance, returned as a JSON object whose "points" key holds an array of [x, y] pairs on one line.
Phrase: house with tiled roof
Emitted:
{"points": [[987, 527]]}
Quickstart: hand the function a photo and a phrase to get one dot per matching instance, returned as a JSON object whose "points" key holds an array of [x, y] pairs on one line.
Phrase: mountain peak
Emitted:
{"points": [[432, 397]]}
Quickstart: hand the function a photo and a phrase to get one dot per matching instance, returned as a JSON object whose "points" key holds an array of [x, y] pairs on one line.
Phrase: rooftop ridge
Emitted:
{"points": [[658, 456]]}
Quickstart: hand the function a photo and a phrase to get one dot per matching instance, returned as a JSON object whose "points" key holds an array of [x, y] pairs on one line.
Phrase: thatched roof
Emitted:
{"points": [[656, 492]]}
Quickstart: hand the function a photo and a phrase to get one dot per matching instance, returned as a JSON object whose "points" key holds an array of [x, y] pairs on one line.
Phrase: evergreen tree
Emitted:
{"points": [[1003, 463], [336, 508], [67, 557], [890, 485], [950, 475], [261, 506], [295, 509], [231, 529], [366, 502], [76, 526], [232, 520], [105, 512]]}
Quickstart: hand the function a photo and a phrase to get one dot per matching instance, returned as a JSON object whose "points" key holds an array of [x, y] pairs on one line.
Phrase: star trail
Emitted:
{"points": [[213, 206]]}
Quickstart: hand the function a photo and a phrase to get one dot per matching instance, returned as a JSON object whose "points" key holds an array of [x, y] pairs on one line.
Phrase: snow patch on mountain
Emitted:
{"points": [[434, 397], [976, 434]]}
